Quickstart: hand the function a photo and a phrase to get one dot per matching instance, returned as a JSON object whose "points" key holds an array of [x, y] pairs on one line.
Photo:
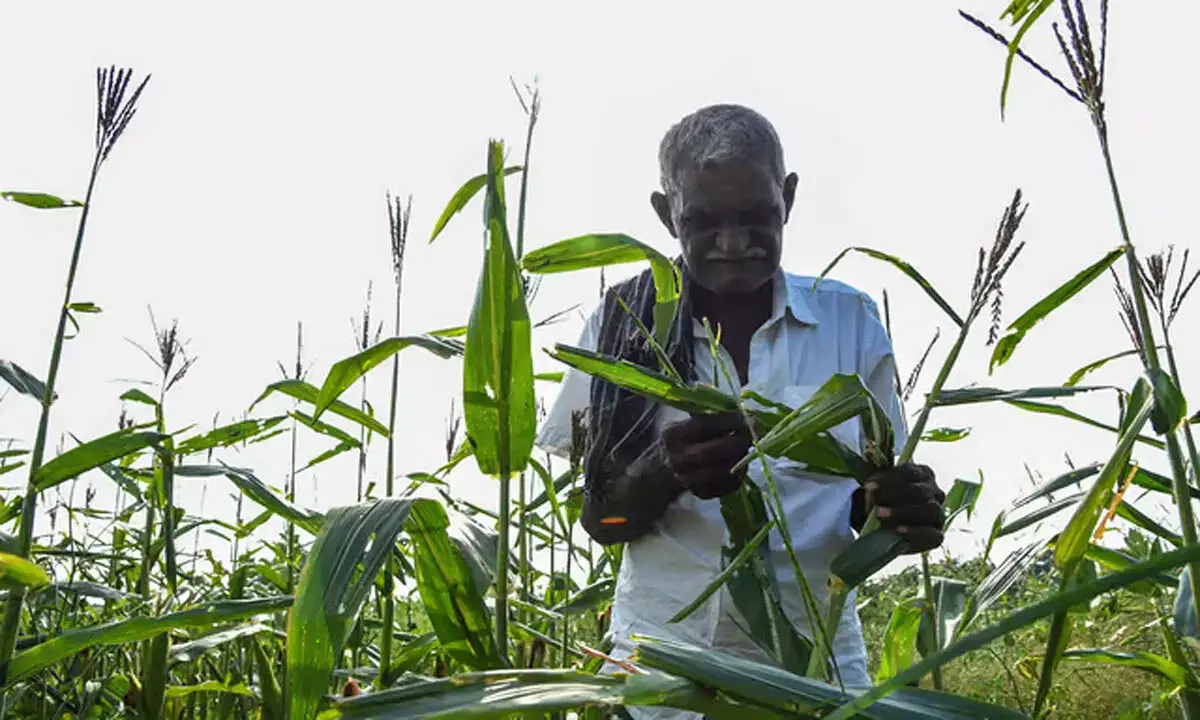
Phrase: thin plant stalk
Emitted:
{"points": [[398, 224], [113, 116]]}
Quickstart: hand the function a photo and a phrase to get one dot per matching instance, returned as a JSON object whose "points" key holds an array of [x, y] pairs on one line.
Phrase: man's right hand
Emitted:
{"points": [[702, 450]]}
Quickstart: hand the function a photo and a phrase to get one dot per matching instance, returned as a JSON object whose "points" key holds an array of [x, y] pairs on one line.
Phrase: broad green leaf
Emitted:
{"points": [[463, 196], [227, 435], [600, 250], [93, 454], [949, 609], [325, 429], [189, 651], [498, 396], [1145, 522], [257, 491], [970, 395], [22, 381], [83, 588], [340, 448], [945, 435], [590, 597], [1007, 344], [899, 640], [450, 590], [40, 201], [135, 395], [88, 308], [1040, 514], [1136, 659], [1074, 538], [1068, 479], [345, 373], [1020, 619], [16, 571], [513, 693], [209, 686], [354, 543], [551, 377], [961, 499], [71, 642], [776, 690], [304, 392], [1048, 409], [867, 555], [11, 467], [1170, 407], [912, 273], [1114, 560], [998, 581]]}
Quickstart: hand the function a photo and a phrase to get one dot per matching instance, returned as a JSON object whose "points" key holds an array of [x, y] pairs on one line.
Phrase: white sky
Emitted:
{"points": [[248, 192]]}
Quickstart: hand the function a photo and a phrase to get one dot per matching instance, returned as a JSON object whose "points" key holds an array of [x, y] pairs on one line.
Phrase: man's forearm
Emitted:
{"points": [[631, 501]]}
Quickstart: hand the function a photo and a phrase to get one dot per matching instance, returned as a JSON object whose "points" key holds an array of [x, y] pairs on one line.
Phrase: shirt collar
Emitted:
{"points": [[791, 298]]}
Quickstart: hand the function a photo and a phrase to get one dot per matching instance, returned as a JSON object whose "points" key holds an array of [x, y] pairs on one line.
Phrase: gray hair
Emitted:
{"points": [[717, 133]]}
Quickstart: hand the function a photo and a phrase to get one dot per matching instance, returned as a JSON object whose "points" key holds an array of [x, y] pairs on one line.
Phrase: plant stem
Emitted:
{"points": [[523, 553], [1179, 486], [389, 573], [16, 597], [502, 563]]}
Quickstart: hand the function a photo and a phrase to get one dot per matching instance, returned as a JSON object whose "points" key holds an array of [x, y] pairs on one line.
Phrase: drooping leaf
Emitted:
{"points": [[998, 581], [352, 547], [192, 650], [867, 555], [1136, 659], [93, 454], [904, 267], [209, 686], [595, 595], [1040, 514], [345, 373], [135, 395], [305, 392], [463, 196], [945, 435], [136, 629], [498, 396], [22, 381], [40, 201], [899, 640], [227, 435], [1081, 373], [1147, 523], [16, 571], [1027, 13], [1021, 618], [600, 250], [1074, 538], [257, 491], [1068, 479], [1007, 344], [1170, 406], [961, 499], [949, 608]]}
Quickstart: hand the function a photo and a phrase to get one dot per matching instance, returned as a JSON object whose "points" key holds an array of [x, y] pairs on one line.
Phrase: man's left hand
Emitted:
{"points": [[907, 499]]}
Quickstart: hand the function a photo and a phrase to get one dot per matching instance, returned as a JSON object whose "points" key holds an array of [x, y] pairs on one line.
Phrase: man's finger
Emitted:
{"points": [[710, 483], [721, 452], [893, 492], [924, 515], [698, 428]]}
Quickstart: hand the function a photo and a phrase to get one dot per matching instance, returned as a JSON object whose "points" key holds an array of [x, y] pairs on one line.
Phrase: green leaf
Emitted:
{"points": [[551, 377], [345, 373], [352, 547], [304, 392], [1114, 560], [1020, 619], [998, 582], [451, 590], [22, 381], [600, 250], [1068, 479], [1170, 406], [946, 435], [1074, 538], [498, 395], [967, 396], [1007, 345], [1136, 659], [593, 596], [962, 498], [84, 307], [1030, 14], [257, 490], [16, 571], [189, 651], [1145, 522], [40, 201], [71, 642], [903, 267], [900, 637], [91, 455], [227, 435], [135, 395], [1091, 367], [1039, 514], [949, 609], [210, 686], [463, 196], [867, 555]]}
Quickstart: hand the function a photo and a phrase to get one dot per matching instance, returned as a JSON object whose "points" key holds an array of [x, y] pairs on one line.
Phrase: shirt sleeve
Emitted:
{"points": [[574, 396], [879, 371]]}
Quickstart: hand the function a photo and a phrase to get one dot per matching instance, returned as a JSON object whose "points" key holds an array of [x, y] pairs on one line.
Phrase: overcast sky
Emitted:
{"points": [[248, 193]]}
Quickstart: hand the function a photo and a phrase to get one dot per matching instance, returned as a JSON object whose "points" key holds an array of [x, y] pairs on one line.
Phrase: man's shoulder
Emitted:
{"points": [[827, 289]]}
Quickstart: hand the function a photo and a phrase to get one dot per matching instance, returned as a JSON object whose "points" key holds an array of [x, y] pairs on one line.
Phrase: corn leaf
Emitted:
{"points": [[354, 543], [600, 250], [40, 201], [1170, 407], [71, 642], [93, 454], [1136, 659], [257, 491], [305, 392], [1114, 560], [904, 267], [961, 499], [1027, 13], [451, 590], [1145, 522], [139, 396], [1074, 538], [1061, 482], [946, 435], [461, 197], [23, 381], [1081, 373], [899, 639], [949, 609], [1007, 344], [1022, 618], [227, 435], [210, 686], [867, 555], [998, 581], [345, 373], [1039, 514], [498, 395], [16, 571]]}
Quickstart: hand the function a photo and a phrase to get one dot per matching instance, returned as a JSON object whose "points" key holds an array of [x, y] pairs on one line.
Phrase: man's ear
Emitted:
{"points": [[789, 194], [662, 208]]}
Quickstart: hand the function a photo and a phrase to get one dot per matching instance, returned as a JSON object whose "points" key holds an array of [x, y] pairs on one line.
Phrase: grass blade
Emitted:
{"points": [[461, 197], [904, 267], [345, 373], [39, 201], [91, 455], [900, 637], [227, 435], [305, 392], [23, 381]]}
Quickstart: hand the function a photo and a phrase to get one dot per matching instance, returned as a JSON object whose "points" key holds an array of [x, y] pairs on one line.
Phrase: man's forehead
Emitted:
{"points": [[740, 183]]}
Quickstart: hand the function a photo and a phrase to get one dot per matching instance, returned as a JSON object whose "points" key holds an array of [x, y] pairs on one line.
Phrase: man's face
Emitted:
{"points": [[729, 218]]}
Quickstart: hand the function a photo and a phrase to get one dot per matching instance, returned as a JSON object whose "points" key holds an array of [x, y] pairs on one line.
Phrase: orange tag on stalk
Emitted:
{"points": [[612, 521]]}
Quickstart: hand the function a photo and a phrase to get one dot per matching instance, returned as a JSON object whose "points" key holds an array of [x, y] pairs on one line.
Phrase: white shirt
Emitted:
{"points": [[809, 337]]}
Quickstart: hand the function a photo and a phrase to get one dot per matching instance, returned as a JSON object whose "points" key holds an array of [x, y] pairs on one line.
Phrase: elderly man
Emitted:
{"points": [[726, 197]]}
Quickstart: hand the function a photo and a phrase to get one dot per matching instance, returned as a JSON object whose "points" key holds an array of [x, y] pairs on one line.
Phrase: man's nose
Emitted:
{"points": [[732, 241]]}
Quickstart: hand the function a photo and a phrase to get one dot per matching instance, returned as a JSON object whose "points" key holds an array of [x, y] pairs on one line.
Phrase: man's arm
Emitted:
{"points": [[631, 501]]}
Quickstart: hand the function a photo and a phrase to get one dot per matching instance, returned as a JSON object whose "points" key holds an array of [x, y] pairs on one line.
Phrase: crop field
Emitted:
{"points": [[408, 599]]}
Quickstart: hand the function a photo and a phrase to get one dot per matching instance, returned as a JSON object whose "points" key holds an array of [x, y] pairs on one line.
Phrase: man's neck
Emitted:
{"points": [[741, 313]]}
